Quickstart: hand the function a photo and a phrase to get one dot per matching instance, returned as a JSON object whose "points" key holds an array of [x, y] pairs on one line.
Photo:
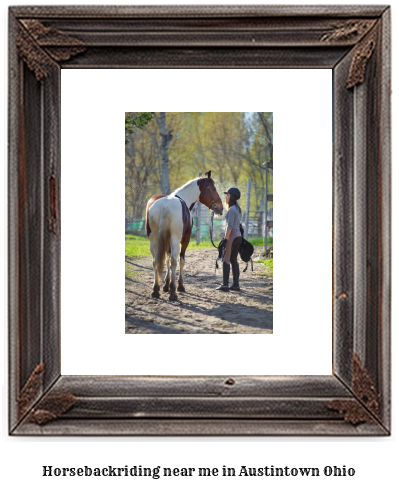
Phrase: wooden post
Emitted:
{"points": [[199, 218], [248, 206]]}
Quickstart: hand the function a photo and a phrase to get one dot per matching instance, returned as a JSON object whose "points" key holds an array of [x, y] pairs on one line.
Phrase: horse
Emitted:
{"points": [[169, 224]]}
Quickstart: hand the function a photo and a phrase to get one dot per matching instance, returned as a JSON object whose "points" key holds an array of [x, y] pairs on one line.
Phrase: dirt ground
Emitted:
{"points": [[201, 309]]}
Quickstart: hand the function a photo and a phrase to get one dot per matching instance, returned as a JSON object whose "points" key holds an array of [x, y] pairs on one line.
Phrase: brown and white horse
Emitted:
{"points": [[169, 224]]}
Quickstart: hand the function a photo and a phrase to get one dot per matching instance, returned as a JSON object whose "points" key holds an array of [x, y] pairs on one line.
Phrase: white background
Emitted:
{"points": [[375, 459], [93, 212]]}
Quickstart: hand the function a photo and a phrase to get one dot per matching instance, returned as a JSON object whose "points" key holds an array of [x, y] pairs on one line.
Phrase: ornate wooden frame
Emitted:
{"points": [[352, 41]]}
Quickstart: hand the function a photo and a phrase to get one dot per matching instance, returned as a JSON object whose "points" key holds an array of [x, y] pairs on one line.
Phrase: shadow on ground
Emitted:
{"points": [[201, 309]]}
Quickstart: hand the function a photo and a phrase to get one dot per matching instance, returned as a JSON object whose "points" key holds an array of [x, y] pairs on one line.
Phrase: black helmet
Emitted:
{"points": [[235, 192]]}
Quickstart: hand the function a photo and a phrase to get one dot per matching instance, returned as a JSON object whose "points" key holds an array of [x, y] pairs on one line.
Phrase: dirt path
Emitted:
{"points": [[201, 309]]}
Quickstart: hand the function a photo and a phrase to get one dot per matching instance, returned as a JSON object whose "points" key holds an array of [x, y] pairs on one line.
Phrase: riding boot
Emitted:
{"points": [[236, 274], [226, 274]]}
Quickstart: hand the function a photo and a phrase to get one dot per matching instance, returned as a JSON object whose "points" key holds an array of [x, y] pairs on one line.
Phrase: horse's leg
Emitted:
{"points": [[180, 286], [184, 244], [155, 289], [167, 277], [175, 249]]}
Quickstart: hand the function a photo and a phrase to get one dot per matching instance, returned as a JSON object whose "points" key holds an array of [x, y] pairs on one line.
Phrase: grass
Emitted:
{"points": [[129, 272], [258, 241], [204, 243], [139, 246], [267, 263]]}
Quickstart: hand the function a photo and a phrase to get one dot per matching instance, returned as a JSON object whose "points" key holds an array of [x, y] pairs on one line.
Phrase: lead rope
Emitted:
{"points": [[210, 235], [211, 229], [216, 247]]}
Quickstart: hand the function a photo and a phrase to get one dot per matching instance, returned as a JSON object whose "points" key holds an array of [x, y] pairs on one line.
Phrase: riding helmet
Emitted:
{"points": [[234, 191]]}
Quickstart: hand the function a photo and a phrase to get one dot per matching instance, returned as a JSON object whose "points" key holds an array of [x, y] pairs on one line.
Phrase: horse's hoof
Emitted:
{"points": [[155, 294], [181, 289], [166, 288], [173, 297]]}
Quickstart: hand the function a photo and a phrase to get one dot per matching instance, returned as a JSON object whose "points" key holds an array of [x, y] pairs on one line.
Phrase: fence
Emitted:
{"points": [[255, 221]]}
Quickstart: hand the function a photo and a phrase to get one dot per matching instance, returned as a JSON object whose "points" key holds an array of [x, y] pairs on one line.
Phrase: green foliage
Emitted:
{"points": [[205, 243], [234, 145], [267, 263], [258, 241], [138, 121], [137, 246]]}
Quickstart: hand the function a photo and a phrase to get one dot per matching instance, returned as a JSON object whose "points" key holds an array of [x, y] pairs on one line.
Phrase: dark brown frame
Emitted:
{"points": [[353, 41]]}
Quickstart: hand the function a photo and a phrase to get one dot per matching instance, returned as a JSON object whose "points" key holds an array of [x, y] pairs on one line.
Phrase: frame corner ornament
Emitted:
{"points": [[39, 46], [364, 387], [351, 31], [366, 406], [51, 407], [30, 390], [361, 56]]}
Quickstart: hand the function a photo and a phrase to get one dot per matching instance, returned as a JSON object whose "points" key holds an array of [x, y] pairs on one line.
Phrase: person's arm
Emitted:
{"points": [[230, 223]]}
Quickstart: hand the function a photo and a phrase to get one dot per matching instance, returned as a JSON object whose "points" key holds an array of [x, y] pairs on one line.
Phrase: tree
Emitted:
{"points": [[257, 148], [141, 176], [267, 122], [173, 148], [210, 141], [166, 138], [133, 120]]}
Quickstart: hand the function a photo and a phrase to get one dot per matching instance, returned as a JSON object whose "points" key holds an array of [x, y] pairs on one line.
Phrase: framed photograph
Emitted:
{"points": [[198, 222], [353, 45]]}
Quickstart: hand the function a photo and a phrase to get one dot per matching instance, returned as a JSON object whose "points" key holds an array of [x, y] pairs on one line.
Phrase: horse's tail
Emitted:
{"points": [[163, 239]]}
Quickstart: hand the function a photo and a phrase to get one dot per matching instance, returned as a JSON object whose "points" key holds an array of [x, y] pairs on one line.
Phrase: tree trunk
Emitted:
{"points": [[166, 138]]}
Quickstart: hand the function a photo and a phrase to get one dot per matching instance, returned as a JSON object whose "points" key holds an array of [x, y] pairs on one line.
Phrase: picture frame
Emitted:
{"points": [[352, 41]]}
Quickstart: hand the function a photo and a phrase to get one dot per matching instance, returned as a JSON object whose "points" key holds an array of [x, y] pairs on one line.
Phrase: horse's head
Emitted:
{"points": [[208, 194]]}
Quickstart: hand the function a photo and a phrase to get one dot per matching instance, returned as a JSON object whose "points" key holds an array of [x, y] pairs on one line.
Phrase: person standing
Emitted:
{"points": [[232, 240]]}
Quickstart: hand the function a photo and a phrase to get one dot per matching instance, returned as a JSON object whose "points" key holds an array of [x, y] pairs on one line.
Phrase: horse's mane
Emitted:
{"points": [[187, 184]]}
